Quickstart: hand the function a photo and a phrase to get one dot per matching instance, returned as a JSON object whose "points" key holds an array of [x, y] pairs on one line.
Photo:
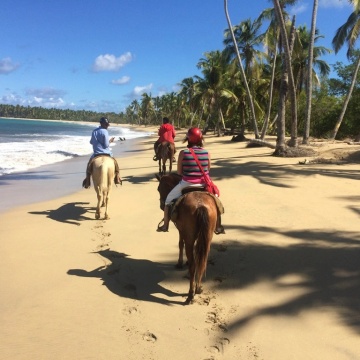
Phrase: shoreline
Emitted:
{"points": [[55, 180], [137, 127]]}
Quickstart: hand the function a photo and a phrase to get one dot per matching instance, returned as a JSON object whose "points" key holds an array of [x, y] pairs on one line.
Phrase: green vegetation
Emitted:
{"points": [[27, 112], [261, 82]]}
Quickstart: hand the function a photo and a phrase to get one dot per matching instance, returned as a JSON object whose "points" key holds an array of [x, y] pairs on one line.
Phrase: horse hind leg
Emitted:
{"points": [[206, 225], [106, 201], [180, 262], [191, 262], [164, 167], [98, 206]]}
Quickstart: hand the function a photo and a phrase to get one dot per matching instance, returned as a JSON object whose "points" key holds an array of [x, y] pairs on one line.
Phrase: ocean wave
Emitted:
{"points": [[34, 150]]}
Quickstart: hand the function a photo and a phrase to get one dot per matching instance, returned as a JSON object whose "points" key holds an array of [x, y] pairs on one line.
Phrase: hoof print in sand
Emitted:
{"points": [[219, 346], [148, 336], [131, 310]]}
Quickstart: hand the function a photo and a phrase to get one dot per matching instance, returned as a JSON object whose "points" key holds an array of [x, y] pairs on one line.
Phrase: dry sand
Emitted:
{"points": [[282, 283]]}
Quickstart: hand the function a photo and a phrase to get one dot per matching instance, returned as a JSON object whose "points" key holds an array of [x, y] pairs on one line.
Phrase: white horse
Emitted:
{"points": [[103, 172]]}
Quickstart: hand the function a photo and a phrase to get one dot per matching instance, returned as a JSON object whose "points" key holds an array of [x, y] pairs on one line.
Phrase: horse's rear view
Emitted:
{"points": [[196, 219], [165, 151], [196, 222], [103, 172]]}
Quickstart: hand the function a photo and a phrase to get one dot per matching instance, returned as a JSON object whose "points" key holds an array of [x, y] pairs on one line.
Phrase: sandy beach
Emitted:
{"points": [[282, 283]]}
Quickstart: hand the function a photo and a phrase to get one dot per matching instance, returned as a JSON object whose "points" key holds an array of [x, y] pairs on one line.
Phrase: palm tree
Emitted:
{"points": [[271, 41], [301, 60], [213, 86], [147, 107], [242, 72], [309, 79], [348, 32], [248, 40], [286, 46], [188, 89]]}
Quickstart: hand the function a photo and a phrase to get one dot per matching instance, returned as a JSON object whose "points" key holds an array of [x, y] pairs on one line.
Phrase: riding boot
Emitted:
{"points": [[219, 228], [117, 179], [156, 145], [165, 227]]}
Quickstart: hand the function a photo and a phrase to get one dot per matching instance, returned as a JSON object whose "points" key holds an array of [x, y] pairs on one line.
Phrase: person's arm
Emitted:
{"points": [[173, 132], [179, 162]]}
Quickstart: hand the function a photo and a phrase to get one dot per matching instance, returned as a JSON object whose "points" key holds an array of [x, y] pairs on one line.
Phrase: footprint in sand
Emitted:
{"points": [[213, 318], [148, 336], [219, 279], [131, 310], [219, 346]]}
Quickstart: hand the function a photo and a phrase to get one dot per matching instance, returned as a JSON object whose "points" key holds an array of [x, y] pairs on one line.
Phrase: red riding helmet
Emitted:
{"points": [[194, 135]]}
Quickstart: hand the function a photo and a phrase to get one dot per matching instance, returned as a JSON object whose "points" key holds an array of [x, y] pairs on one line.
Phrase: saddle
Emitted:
{"points": [[174, 205]]}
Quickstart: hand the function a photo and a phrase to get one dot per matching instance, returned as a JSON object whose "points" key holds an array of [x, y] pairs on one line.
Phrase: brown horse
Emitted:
{"points": [[196, 222], [165, 151]]}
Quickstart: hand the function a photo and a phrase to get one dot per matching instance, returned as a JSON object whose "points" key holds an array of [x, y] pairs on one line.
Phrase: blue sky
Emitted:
{"points": [[101, 55]]}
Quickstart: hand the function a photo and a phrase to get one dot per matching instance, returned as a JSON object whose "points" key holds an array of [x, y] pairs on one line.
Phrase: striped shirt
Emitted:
{"points": [[190, 169]]}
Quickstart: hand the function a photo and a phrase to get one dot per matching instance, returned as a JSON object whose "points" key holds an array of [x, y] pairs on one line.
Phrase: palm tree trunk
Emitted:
{"points": [[242, 72], [280, 139], [266, 122], [292, 90], [346, 102], [309, 82]]}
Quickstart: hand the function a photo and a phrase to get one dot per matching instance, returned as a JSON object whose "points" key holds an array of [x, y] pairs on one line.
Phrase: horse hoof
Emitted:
{"points": [[198, 290], [179, 266], [97, 216], [189, 300]]}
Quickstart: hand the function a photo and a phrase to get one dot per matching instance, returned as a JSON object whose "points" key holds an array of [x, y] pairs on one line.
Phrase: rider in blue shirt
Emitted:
{"points": [[100, 141]]}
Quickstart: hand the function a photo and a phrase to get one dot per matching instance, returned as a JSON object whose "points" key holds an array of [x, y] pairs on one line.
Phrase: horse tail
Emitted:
{"points": [[105, 177], [202, 246]]}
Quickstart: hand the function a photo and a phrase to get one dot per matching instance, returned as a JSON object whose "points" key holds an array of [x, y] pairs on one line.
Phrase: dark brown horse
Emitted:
{"points": [[196, 222], [165, 151]]}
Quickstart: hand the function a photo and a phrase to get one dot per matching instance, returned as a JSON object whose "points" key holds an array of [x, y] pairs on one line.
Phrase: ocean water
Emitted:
{"points": [[28, 144]]}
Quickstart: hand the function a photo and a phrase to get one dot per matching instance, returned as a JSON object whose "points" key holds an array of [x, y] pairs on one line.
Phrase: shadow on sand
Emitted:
{"points": [[70, 213], [132, 278]]}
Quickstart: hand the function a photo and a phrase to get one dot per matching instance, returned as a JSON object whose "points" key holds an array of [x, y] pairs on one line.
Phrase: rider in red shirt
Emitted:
{"points": [[166, 133]]}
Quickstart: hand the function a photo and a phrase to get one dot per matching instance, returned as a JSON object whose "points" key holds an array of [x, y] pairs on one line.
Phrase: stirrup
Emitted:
{"points": [[155, 158], [219, 230], [162, 228]]}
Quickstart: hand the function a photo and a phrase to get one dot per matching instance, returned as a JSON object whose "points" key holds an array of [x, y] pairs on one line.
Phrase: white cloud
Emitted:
{"points": [[139, 90], [110, 62], [46, 97], [333, 3], [298, 9], [7, 66], [123, 80]]}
